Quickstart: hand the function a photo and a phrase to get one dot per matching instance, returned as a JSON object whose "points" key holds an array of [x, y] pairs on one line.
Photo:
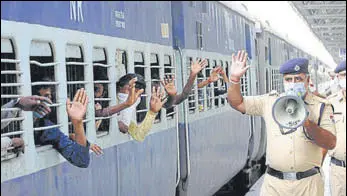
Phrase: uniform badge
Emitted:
{"points": [[297, 68]]}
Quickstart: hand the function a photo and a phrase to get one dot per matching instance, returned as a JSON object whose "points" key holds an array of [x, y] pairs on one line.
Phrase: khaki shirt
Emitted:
{"points": [[291, 152], [339, 103]]}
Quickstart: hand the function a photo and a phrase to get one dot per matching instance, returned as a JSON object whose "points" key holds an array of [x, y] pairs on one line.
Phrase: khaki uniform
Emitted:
{"points": [[337, 173], [292, 152]]}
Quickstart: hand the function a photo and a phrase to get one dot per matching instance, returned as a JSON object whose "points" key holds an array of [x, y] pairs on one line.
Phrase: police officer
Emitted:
{"points": [[293, 159], [338, 154]]}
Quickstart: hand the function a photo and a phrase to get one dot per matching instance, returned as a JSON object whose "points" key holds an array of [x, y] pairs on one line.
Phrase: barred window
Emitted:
{"points": [[102, 97], [10, 89], [121, 63], [201, 91], [155, 78], [219, 87], [199, 35], [224, 85], [169, 70], [140, 68], [244, 84], [210, 87], [191, 96], [43, 82], [75, 72], [276, 81]]}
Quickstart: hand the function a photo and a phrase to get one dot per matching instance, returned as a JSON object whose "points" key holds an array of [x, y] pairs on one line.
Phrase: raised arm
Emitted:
{"points": [[213, 77], [196, 67], [109, 111], [238, 68], [139, 132]]}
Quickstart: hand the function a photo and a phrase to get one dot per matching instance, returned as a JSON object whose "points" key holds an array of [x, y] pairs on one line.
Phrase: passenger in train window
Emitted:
{"points": [[76, 152], [175, 99], [28, 103], [130, 87], [293, 159], [338, 154]]}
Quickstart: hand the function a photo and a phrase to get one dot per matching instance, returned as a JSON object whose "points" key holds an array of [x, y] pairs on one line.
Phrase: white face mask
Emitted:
{"points": [[342, 83], [295, 89], [123, 97]]}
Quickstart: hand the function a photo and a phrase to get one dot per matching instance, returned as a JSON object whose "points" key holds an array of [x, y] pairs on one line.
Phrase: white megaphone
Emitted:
{"points": [[289, 112]]}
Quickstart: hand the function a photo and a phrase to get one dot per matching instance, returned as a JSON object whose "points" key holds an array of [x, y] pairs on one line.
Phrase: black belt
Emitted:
{"points": [[338, 162], [292, 175]]}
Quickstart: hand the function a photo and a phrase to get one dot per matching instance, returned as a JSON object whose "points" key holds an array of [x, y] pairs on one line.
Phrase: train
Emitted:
{"points": [[194, 148]]}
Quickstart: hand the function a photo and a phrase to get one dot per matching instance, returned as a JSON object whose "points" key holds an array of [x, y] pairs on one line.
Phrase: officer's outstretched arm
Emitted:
{"points": [[238, 68], [323, 136], [139, 132]]}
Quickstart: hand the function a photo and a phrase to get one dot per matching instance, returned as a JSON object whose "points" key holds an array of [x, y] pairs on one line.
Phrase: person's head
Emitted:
{"points": [[100, 75], [44, 90], [296, 75], [123, 83], [340, 71]]}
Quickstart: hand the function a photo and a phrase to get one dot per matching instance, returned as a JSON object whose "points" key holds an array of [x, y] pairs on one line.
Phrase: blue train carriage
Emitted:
{"points": [[215, 138], [66, 41]]}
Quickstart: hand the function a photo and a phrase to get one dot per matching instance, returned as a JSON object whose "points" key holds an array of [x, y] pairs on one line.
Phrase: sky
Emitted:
{"points": [[285, 20]]}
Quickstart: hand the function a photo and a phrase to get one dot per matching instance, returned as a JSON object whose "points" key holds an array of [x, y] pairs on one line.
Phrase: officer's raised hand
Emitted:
{"points": [[238, 66]]}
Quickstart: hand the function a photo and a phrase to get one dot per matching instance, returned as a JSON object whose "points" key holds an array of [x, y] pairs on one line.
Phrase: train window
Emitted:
{"points": [[244, 84], [75, 72], [139, 64], [269, 45], [201, 91], [276, 80], [191, 96], [204, 6], [10, 89], [43, 83], [169, 70], [248, 41], [199, 35], [219, 92], [256, 47], [102, 96], [192, 3], [210, 87], [121, 63], [266, 54], [155, 78]]}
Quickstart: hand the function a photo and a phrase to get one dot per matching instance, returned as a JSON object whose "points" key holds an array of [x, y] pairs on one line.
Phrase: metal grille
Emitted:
{"points": [[169, 70], [121, 63], [101, 89], [140, 68], [276, 81], [155, 78], [74, 74], [43, 83], [191, 97], [201, 91], [244, 84], [10, 89], [209, 87]]}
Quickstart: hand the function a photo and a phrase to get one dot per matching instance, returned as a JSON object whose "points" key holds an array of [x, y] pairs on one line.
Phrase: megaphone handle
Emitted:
{"points": [[306, 134], [285, 133]]}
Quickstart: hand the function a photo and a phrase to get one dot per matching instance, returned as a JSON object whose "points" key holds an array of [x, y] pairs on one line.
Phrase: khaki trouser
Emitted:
{"points": [[337, 180], [310, 186]]}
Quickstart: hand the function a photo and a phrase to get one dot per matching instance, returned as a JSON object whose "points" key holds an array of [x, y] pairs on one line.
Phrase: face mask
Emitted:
{"points": [[123, 97], [295, 89], [342, 83]]}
